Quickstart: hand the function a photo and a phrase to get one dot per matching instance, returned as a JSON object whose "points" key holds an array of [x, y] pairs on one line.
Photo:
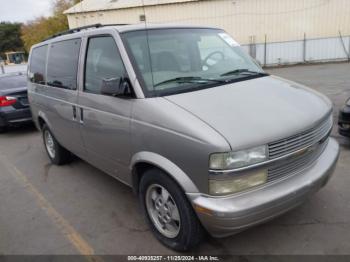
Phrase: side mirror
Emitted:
{"points": [[119, 86]]}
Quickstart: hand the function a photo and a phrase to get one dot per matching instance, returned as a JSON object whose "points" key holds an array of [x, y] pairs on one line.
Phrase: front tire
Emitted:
{"points": [[57, 154], [168, 211]]}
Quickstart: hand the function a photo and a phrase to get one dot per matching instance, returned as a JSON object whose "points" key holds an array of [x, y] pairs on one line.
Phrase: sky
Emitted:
{"points": [[23, 10]]}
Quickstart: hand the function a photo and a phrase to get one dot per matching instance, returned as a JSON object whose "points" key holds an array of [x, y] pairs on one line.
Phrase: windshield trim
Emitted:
{"points": [[134, 63], [190, 87], [198, 87]]}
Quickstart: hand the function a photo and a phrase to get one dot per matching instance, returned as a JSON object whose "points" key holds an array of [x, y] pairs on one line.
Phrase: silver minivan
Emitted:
{"points": [[206, 139]]}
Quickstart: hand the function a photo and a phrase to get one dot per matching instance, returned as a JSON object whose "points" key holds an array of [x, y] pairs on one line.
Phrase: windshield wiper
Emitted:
{"points": [[189, 79], [243, 71]]}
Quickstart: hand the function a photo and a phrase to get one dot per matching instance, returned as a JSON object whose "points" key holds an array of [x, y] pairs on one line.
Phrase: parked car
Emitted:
{"points": [[14, 106], [206, 138], [344, 119]]}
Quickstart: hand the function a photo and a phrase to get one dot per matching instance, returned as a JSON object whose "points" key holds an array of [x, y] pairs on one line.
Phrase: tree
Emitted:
{"points": [[10, 37], [41, 28]]}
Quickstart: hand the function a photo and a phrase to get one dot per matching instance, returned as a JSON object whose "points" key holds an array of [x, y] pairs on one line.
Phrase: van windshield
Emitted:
{"points": [[171, 61]]}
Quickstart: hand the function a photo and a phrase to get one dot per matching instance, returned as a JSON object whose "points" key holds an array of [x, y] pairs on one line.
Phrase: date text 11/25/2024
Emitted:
{"points": [[173, 258]]}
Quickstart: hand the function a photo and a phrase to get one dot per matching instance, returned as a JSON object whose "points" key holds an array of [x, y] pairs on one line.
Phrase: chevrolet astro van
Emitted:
{"points": [[206, 139]]}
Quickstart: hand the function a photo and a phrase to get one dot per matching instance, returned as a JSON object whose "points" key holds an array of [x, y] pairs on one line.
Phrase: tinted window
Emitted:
{"points": [[38, 65], [103, 63], [63, 64]]}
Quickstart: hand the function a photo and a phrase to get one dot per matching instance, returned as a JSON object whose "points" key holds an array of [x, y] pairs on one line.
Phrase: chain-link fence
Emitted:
{"points": [[302, 51]]}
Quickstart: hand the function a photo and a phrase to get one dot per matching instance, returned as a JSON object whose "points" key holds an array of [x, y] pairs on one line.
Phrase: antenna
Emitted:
{"points": [[147, 40], [82, 11], [75, 16]]}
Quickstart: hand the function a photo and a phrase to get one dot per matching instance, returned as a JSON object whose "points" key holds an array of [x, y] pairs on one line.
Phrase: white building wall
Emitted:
{"points": [[280, 20], [283, 22]]}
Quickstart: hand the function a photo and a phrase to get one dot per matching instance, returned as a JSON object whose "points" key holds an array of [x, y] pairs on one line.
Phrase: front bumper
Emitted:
{"points": [[344, 121], [11, 117], [232, 214]]}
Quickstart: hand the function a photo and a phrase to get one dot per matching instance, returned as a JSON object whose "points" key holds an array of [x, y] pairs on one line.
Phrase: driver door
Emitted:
{"points": [[104, 119]]}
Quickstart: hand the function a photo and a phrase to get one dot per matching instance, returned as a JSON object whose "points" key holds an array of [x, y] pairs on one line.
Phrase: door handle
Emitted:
{"points": [[74, 113], [81, 116]]}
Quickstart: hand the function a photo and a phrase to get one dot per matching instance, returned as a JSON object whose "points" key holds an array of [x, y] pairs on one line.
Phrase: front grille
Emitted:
{"points": [[302, 140], [298, 152], [295, 164]]}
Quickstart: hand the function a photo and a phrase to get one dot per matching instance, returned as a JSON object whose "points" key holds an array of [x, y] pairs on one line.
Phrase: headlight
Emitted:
{"points": [[237, 182], [232, 160]]}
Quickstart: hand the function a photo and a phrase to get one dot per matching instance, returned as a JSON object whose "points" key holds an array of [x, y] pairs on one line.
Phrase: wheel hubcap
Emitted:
{"points": [[50, 146], [163, 211]]}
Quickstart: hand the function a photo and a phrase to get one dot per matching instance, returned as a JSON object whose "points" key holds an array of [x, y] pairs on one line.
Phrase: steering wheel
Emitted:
{"points": [[205, 61]]}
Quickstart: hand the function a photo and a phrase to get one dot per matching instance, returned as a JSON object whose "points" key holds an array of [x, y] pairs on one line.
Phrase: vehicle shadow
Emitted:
{"points": [[19, 130]]}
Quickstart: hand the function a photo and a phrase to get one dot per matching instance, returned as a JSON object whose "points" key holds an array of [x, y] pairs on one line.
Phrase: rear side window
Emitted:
{"points": [[38, 65], [63, 64], [103, 63]]}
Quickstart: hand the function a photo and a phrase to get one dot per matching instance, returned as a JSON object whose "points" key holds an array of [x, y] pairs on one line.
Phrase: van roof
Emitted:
{"points": [[143, 26], [121, 28]]}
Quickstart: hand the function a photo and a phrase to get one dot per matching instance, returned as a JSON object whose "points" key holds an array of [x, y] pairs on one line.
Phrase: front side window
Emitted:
{"points": [[170, 61], [63, 64], [37, 65], [103, 64]]}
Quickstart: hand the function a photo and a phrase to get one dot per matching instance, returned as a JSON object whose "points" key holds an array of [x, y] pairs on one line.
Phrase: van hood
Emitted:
{"points": [[256, 112]]}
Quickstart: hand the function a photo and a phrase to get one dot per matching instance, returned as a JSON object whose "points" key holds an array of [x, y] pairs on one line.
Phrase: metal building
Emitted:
{"points": [[273, 31]]}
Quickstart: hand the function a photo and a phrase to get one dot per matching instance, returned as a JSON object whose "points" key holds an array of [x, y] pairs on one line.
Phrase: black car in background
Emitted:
{"points": [[344, 120], [14, 106]]}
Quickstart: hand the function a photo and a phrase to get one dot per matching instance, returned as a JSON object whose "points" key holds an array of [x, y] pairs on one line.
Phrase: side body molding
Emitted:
{"points": [[165, 164]]}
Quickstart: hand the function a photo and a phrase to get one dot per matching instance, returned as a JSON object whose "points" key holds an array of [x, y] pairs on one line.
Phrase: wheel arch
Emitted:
{"points": [[143, 161], [41, 120]]}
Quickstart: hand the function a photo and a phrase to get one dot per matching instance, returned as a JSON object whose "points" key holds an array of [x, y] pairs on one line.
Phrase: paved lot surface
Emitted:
{"points": [[77, 209]]}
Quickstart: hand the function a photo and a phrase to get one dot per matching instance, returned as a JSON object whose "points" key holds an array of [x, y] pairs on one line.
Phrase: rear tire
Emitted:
{"points": [[168, 212], [57, 154], [3, 129]]}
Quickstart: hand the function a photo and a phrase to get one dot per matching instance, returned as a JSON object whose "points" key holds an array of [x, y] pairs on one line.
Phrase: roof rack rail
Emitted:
{"points": [[114, 24], [74, 30], [78, 29]]}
